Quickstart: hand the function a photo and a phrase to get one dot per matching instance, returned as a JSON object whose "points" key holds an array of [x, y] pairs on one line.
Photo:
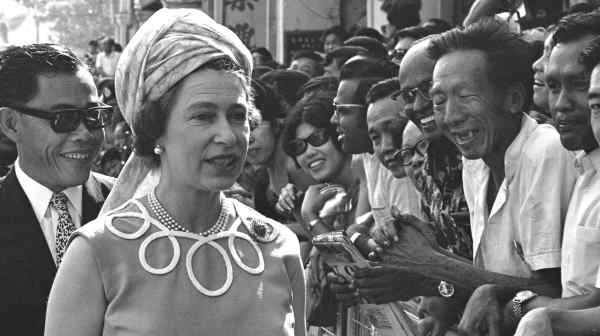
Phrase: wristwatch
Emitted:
{"points": [[446, 289], [520, 300]]}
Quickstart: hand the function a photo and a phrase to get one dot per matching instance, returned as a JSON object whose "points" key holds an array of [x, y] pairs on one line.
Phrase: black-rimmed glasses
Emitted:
{"points": [[410, 95], [406, 154], [298, 146], [67, 120], [398, 54], [346, 108]]}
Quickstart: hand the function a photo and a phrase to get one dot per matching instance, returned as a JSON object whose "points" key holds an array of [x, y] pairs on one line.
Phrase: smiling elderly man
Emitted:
{"points": [[517, 176]]}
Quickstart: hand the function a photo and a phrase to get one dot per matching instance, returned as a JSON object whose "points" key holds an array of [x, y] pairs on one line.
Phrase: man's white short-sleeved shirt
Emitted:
{"points": [[522, 232], [581, 238], [384, 190]]}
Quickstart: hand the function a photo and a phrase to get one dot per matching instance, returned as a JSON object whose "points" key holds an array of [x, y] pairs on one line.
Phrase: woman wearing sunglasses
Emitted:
{"points": [[310, 139], [173, 255], [266, 152]]}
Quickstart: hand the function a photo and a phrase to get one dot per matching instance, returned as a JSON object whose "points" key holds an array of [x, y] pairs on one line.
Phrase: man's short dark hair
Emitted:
{"points": [[590, 56], [264, 53], [20, 67], [286, 83], [575, 26], [369, 32], [374, 47], [437, 25], [305, 53], [508, 57], [319, 84], [267, 101], [414, 32], [382, 89], [367, 71]]}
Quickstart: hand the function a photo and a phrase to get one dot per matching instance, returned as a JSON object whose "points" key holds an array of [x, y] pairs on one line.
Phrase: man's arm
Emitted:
{"points": [[417, 251], [584, 301]]}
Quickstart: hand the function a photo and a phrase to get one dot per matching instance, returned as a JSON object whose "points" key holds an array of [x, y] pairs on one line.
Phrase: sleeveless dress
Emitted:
{"points": [[162, 282]]}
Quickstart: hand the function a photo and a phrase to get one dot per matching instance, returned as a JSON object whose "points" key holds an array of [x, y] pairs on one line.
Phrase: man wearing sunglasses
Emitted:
{"points": [[50, 108]]}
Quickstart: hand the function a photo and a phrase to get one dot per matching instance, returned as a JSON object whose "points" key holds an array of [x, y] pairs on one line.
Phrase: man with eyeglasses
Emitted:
{"points": [[50, 108], [439, 183], [516, 173]]}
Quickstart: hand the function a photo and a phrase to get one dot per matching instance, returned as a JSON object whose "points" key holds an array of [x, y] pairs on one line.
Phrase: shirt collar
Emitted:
{"points": [[513, 152], [587, 161], [39, 196]]}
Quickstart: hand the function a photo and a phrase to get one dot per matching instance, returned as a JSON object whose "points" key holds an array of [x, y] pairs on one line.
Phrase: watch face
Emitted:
{"points": [[446, 289]]}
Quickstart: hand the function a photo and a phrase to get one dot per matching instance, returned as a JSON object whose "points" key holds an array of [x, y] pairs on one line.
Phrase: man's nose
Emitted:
{"points": [[453, 114]]}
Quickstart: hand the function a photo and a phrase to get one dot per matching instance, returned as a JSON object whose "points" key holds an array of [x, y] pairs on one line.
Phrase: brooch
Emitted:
{"points": [[262, 231]]}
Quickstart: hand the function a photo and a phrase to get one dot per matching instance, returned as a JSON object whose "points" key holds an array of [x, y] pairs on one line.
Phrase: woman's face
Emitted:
{"points": [[262, 144], [206, 136], [323, 162], [332, 41]]}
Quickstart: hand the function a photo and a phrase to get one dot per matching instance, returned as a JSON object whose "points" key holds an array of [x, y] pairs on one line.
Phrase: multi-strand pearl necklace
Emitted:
{"points": [[171, 223]]}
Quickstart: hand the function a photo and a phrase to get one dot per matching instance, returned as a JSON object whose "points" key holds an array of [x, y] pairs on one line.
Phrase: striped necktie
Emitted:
{"points": [[65, 226]]}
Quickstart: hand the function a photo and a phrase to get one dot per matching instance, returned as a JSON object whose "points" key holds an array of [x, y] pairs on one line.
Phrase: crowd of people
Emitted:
{"points": [[460, 161]]}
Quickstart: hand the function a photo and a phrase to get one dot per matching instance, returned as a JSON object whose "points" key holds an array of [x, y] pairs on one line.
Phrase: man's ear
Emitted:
{"points": [[515, 99], [8, 123]]}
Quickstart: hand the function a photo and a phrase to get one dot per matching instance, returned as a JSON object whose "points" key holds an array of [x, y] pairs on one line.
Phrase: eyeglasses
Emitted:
{"points": [[410, 95], [346, 108], [297, 146], [406, 154], [67, 120], [398, 54]]}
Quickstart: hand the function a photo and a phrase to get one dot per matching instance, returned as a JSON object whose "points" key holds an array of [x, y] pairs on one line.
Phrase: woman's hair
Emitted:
{"points": [[315, 111], [150, 123], [266, 101]]}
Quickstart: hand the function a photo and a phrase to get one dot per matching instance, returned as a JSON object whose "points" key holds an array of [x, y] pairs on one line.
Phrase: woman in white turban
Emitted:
{"points": [[170, 255]]}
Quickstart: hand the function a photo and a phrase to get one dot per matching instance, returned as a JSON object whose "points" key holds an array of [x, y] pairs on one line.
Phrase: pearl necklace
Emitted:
{"points": [[171, 223]]}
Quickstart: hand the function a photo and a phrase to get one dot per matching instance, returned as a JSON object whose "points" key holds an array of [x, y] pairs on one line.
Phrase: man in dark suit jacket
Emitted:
{"points": [[49, 107]]}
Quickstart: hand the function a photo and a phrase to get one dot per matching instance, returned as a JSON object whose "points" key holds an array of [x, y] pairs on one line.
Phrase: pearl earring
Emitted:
{"points": [[158, 150]]}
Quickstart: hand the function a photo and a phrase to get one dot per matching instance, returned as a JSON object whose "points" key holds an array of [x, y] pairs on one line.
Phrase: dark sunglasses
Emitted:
{"points": [[406, 154], [346, 108], [410, 95], [68, 120], [297, 146]]}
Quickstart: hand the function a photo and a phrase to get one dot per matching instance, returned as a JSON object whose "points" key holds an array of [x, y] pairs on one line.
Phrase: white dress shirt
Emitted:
{"points": [[39, 198], [522, 232], [581, 238], [384, 190]]}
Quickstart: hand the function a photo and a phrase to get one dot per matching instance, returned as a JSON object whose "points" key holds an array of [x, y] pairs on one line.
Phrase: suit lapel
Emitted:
{"points": [[23, 223]]}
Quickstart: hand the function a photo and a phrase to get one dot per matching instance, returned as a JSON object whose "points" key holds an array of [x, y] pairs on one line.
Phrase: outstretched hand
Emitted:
{"points": [[416, 245]]}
